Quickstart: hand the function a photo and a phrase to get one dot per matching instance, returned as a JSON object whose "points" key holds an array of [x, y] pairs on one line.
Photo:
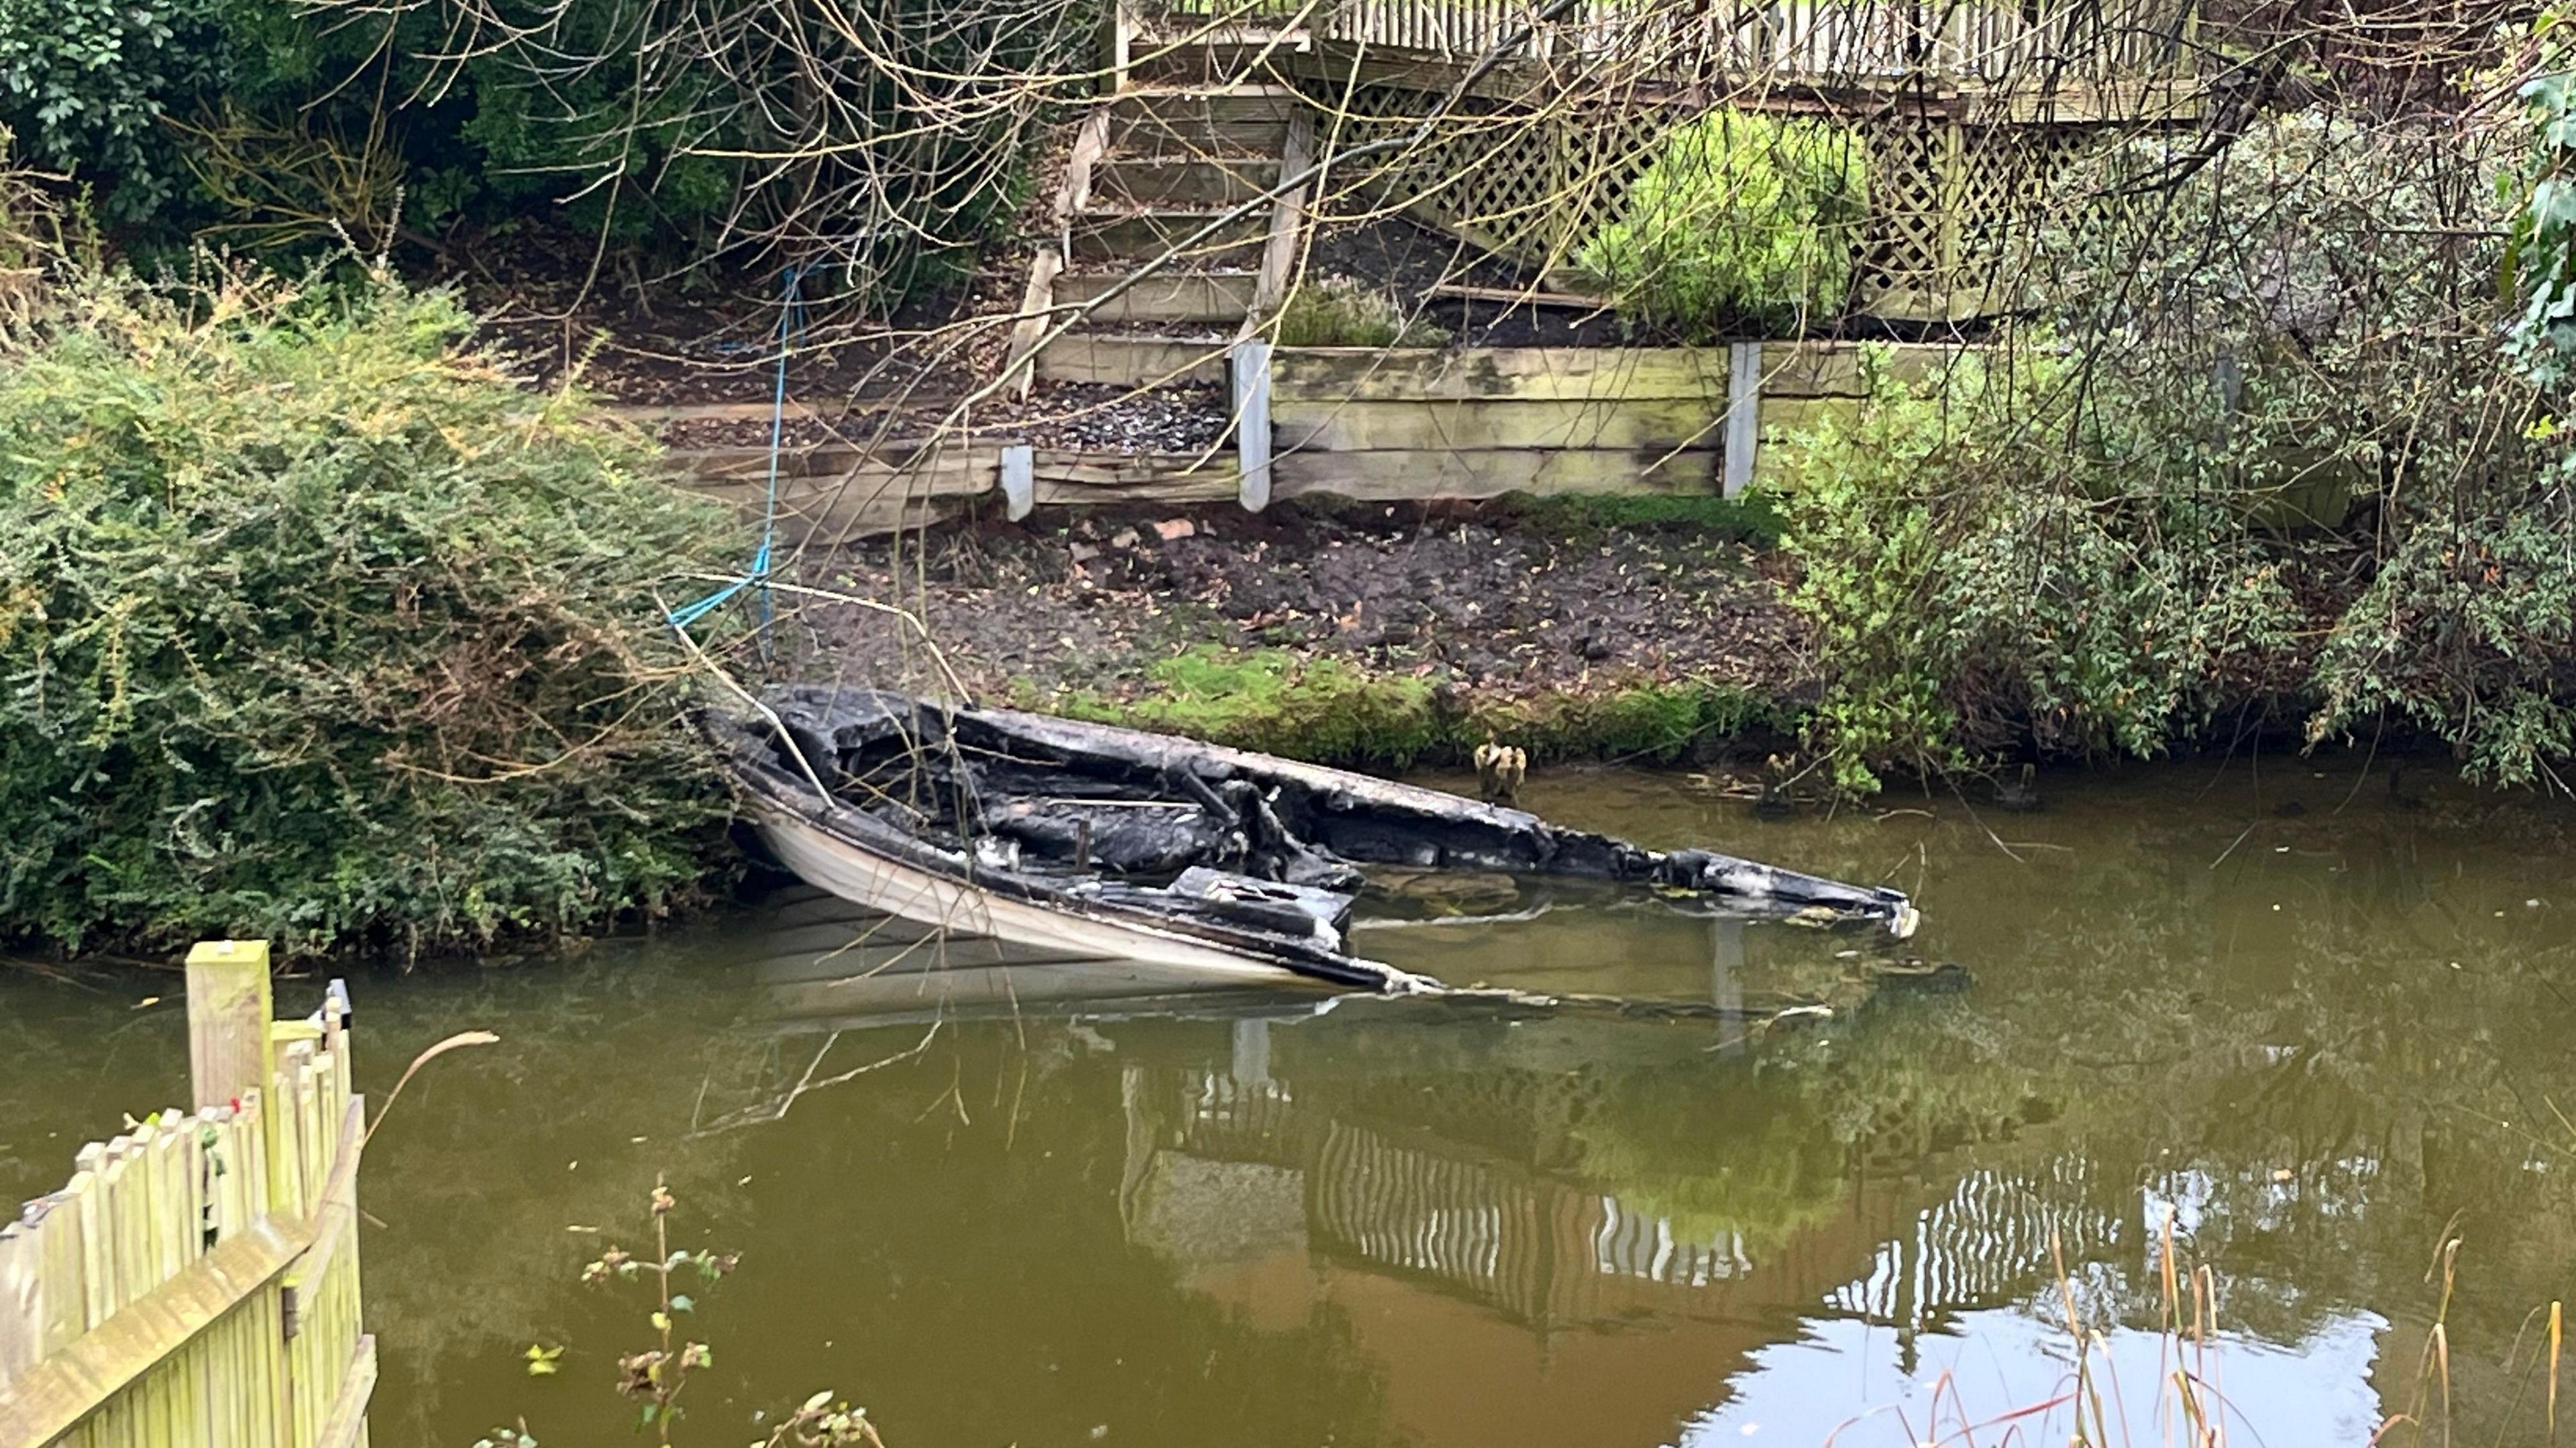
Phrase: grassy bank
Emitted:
{"points": [[1332, 711]]}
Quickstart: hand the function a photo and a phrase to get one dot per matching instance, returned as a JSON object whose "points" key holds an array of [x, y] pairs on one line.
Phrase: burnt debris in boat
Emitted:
{"points": [[1105, 843]]}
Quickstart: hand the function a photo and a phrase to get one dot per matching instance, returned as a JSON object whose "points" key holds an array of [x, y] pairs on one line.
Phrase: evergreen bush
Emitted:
{"points": [[89, 86], [315, 625], [2003, 553], [1741, 219]]}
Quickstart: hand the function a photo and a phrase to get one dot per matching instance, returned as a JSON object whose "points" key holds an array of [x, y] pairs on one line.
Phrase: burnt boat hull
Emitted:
{"points": [[1362, 818], [1029, 830], [1041, 933], [823, 963]]}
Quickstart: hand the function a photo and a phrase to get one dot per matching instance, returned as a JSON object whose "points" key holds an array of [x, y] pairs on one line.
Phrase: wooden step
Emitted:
{"points": [[1141, 235], [1131, 361], [1220, 121], [1224, 296], [1153, 138], [1145, 181]]}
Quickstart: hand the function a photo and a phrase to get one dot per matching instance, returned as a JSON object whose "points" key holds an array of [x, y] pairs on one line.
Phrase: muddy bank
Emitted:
{"points": [[1357, 634]]}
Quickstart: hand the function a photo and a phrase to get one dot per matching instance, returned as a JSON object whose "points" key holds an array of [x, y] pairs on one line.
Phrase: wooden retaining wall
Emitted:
{"points": [[196, 1281], [1480, 423], [836, 493], [1371, 425], [1483, 422]]}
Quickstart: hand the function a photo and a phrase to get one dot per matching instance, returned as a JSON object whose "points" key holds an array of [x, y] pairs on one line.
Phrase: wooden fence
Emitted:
{"points": [[2071, 41], [196, 1281]]}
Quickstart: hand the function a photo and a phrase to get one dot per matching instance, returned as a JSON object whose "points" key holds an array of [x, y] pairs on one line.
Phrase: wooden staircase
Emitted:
{"points": [[1168, 174]]}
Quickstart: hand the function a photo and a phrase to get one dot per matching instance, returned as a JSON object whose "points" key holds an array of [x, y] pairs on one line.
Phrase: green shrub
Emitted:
{"points": [[1344, 312], [2002, 553], [1741, 219], [314, 625], [87, 86]]}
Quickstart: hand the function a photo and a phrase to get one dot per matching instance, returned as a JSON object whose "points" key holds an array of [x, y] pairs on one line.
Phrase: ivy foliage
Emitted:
{"points": [[315, 625], [2543, 255], [1742, 220], [89, 85]]}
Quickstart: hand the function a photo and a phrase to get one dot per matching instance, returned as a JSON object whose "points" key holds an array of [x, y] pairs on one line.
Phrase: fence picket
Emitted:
{"points": [[146, 1302]]}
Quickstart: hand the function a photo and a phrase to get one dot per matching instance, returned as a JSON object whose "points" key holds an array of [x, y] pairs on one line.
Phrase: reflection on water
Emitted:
{"points": [[999, 1208]]}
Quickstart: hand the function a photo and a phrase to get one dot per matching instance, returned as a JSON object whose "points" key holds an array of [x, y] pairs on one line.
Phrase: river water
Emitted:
{"points": [[2279, 1024]]}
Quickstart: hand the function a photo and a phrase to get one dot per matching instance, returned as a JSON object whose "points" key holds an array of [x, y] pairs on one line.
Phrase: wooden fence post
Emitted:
{"points": [[229, 1055]]}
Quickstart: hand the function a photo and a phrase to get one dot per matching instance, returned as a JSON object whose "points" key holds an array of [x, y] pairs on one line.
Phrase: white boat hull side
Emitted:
{"points": [[820, 859]]}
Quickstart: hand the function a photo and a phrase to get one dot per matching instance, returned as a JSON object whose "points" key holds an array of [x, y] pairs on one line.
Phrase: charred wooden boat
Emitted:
{"points": [[1065, 841]]}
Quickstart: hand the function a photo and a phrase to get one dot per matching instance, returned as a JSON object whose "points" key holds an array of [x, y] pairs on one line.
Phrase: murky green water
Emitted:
{"points": [[2311, 1037]]}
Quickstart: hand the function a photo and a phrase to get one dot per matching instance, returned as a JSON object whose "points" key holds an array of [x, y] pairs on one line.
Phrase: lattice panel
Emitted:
{"points": [[2004, 185], [1364, 116], [1530, 186], [1908, 241], [1955, 212], [1953, 205]]}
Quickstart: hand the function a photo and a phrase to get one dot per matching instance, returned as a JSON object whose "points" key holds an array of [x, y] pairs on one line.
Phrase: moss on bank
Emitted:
{"points": [[1330, 711]]}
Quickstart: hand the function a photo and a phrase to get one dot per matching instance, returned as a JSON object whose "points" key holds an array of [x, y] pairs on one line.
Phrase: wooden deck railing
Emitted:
{"points": [[196, 1281], [2062, 41]]}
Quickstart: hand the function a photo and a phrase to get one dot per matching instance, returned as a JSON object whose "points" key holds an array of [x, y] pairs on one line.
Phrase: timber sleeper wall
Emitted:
{"points": [[1371, 425], [1479, 423], [1482, 422]]}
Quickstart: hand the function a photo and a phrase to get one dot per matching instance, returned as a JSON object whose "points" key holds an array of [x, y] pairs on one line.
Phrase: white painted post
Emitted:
{"points": [[1251, 367], [1019, 481], [1743, 415], [1122, 40]]}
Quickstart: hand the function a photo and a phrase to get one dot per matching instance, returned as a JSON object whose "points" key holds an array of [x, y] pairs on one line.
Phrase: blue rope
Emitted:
{"points": [[791, 329]]}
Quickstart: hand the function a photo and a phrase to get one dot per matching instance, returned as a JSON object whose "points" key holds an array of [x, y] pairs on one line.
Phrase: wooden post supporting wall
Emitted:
{"points": [[1287, 221], [1019, 481], [229, 1055], [1037, 313], [1743, 415], [1251, 367]]}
